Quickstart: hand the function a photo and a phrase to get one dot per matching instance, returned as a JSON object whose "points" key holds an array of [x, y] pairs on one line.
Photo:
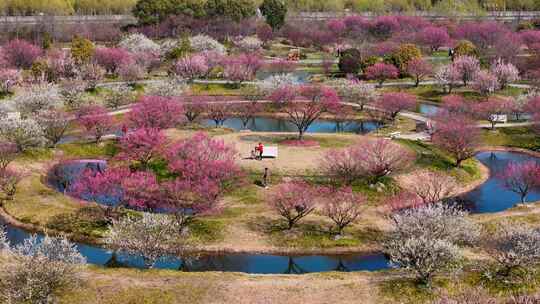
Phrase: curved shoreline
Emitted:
{"points": [[214, 250]]}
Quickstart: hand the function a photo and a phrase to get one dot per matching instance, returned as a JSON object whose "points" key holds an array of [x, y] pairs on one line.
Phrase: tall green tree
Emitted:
{"points": [[154, 11], [233, 9], [274, 11]]}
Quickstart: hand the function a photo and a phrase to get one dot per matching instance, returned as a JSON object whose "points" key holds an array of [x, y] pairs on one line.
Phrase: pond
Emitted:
{"points": [[428, 109], [491, 196], [300, 76], [247, 263], [267, 124]]}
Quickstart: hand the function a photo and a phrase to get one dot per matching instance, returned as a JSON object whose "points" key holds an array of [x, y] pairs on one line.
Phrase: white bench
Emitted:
{"points": [[394, 134], [270, 152]]}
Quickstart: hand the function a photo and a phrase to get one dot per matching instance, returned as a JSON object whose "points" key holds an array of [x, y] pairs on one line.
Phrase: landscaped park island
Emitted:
{"points": [[228, 152]]}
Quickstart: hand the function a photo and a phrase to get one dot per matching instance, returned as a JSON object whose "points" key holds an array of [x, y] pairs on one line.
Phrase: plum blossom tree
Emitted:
{"points": [[458, 135], [467, 67], [293, 201], [247, 111], [485, 82], [218, 112], [191, 68], [515, 246], [521, 178], [155, 112], [119, 95], [92, 74], [250, 44], [194, 106], [201, 158], [202, 43], [447, 77], [8, 153], [72, 92], [281, 66], [112, 58], [131, 72], [342, 165], [455, 104], [419, 68], [382, 157], [54, 124], [37, 271], [393, 103], [172, 87], [381, 71], [37, 97], [343, 207], [302, 114], [138, 43], [355, 92], [95, 120], [142, 146], [425, 239], [431, 186], [8, 79], [9, 179], [20, 53], [434, 37], [505, 72], [24, 133], [152, 236]]}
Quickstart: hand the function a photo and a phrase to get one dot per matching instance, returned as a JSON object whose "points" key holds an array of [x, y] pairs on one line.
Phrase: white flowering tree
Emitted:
{"points": [[173, 86], [425, 240], [447, 77], [54, 124], [152, 236], [36, 271], [72, 92], [515, 246], [38, 97], [277, 81], [8, 79], [139, 43], [24, 133], [356, 92], [202, 43], [119, 96], [250, 44], [505, 72]]}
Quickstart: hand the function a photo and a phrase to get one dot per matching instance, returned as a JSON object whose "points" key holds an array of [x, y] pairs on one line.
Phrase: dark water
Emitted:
{"points": [[63, 175], [491, 196], [263, 124], [248, 263]]}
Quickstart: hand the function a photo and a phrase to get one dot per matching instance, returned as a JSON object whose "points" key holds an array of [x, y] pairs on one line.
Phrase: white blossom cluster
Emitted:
{"points": [[23, 132], [173, 86], [276, 81], [202, 43], [37, 97], [250, 44], [139, 43]]}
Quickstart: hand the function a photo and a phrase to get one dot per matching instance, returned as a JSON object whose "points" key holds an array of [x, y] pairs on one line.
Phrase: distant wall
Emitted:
{"points": [[33, 20]]}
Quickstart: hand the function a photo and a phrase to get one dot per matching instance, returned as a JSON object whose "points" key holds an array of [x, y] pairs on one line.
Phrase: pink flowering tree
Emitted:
{"points": [[237, 73], [8, 153], [194, 106], [381, 72], [402, 201], [281, 66], [419, 68], [485, 82], [456, 134], [430, 186], [247, 111], [521, 178], [156, 112], [8, 79], [20, 53], [142, 146], [342, 165], [218, 112], [382, 157], [455, 104], [293, 201], [467, 67], [343, 207], [191, 68], [505, 73], [492, 108], [131, 72], [95, 120], [393, 103], [202, 158], [112, 58], [302, 113], [434, 37], [447, 77]]}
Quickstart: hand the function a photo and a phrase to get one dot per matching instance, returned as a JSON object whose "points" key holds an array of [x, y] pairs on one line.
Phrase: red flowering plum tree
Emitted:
{"points": [[20, 54], [434, 37], [156, 112], [381, 72], [393, 103], [191, 68], [218, 112], [111, 59], [456, 134], [521, 178], [293, 201], [419, 68], [142, 146], [302, 113], [343, 207], [95, 120], [247, 111]]}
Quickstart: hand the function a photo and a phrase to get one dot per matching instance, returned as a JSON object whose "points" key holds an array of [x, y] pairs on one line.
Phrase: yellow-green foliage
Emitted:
{"points": [[66, 7], [82, 49], [465, 48], [405, 53]]}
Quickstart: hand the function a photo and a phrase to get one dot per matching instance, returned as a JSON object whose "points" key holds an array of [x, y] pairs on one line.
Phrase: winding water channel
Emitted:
{"points": [[488, 197]]}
